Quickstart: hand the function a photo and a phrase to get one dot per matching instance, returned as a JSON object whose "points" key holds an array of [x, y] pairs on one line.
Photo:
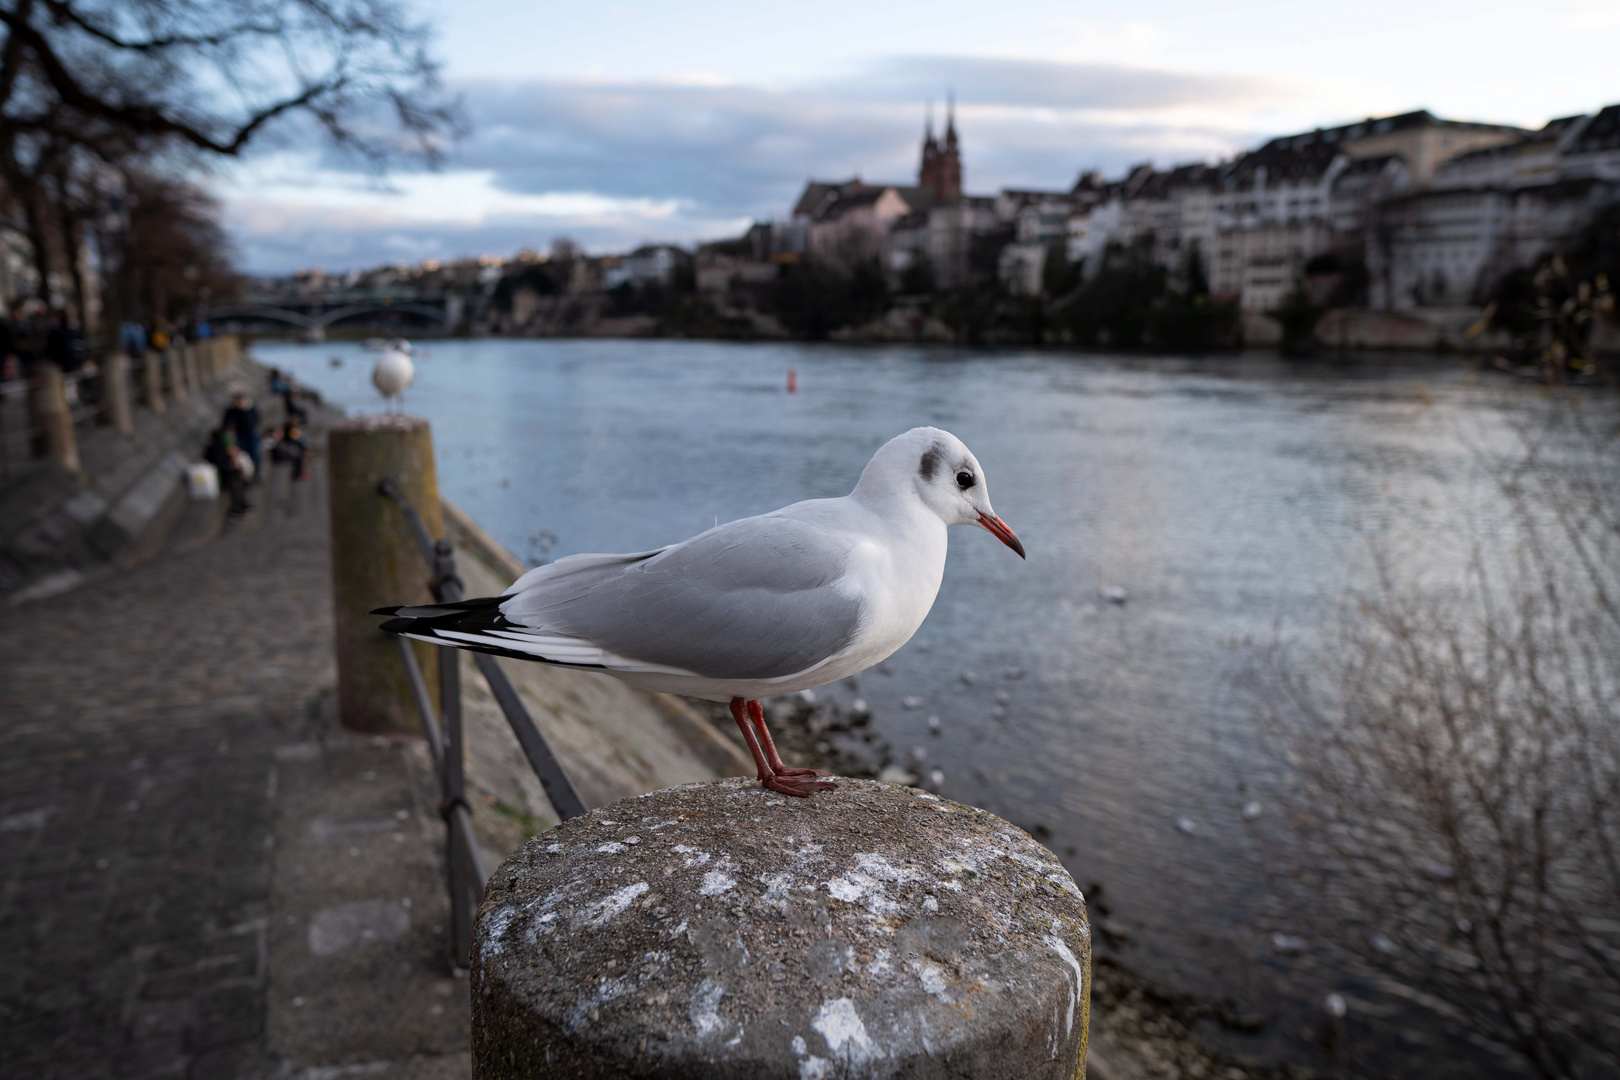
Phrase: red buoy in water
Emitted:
{"points": [[793, 381]]}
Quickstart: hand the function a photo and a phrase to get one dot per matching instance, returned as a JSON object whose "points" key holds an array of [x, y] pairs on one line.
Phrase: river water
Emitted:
{"points": [[1232, 499]]}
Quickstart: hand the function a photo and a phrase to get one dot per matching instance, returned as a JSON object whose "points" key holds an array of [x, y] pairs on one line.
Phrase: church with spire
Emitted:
{"points": [[941, 168], [843, 224]]}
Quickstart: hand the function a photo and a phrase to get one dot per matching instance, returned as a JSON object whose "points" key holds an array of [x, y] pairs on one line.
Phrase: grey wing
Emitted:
{"points": [[752, 599]]}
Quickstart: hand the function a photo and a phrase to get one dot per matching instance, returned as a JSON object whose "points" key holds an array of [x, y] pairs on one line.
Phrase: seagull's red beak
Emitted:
{"points": [[999, 530]]}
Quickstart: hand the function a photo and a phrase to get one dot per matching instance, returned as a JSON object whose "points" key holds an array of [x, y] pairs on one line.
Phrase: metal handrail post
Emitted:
{"points": [[430, 728], [446, 588], [559, 789], [453, 781], [464, 866]]}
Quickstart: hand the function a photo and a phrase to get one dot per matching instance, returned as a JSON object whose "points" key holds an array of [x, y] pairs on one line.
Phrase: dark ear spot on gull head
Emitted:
{"points": [[930, 461]]}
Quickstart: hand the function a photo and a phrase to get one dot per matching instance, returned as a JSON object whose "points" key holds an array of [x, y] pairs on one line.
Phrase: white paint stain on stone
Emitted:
{"points": [[932, 978], [716, 882], [778, 891], [612, 847], [691, 856], [846, 890], [810, 1066], [1062, 880], [841, 1026], [612, 905], [1056, 944], [705, 1010], [495, 929]]}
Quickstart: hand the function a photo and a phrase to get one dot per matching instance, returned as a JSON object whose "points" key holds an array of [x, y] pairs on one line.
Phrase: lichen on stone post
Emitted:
{"points": [[721, 930]]}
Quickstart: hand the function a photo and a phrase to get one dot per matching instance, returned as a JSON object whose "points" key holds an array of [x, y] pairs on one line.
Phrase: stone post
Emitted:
{"points": [[376, 562], [724, 931], [225, 352], [115, 389], [192, 361], [207, 360], [152, 381], [177, 375], [53, 418]]}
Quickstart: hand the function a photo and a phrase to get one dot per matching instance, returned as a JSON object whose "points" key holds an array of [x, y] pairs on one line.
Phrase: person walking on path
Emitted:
{"points": [[242, 419], [233, 465]]}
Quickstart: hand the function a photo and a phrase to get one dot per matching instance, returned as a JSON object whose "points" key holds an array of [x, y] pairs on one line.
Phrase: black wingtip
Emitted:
{"points": [[401, 626], [386, 610]]}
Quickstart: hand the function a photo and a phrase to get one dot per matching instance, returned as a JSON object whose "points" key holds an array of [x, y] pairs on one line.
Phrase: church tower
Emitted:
{"points": [[941, 169]]}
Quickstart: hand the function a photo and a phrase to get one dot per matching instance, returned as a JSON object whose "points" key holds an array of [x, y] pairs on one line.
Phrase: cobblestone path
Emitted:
{"points": [[137, 717]]}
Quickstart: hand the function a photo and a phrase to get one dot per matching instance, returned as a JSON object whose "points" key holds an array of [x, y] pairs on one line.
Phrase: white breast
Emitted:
{"points": [[898, 582]]}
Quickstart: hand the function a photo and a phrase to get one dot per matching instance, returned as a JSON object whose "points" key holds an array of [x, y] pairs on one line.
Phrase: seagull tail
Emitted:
{"points": [[438, 611], [423, 619], [477, 625]]}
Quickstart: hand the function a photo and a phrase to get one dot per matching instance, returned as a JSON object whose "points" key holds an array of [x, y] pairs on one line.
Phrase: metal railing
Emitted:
{"points": [[464, 865]]}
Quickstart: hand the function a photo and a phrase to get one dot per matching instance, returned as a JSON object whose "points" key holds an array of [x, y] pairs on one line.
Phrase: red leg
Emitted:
{"points": [[767, 776], [757, 712], [739, 713]]}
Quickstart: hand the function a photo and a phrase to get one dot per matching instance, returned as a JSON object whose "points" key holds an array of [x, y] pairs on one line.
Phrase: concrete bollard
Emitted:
{"points": [[115, 391], [53, 418], [724, 931], [176, 376], [190, 364], [376, 561], [225, 352], [152, 381], [206, 368]]}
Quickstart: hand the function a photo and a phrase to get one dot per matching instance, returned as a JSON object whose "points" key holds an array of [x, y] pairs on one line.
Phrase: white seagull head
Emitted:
{"points": [[934, 466]]}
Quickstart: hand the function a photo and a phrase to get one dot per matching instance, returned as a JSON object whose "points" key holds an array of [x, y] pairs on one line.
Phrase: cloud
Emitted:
{"points": [[1591, 15], [1052, 84], [614, 163]]}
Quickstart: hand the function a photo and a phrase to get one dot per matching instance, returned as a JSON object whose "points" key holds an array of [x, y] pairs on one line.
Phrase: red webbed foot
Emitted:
{"points": [[802, 789]]}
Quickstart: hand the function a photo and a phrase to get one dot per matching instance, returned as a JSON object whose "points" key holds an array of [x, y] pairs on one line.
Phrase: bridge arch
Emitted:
{"points": [[263, 311], [327, 318]]}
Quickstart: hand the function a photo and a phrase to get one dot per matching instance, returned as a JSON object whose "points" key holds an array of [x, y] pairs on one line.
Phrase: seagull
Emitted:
{"points": [[786, 601], [392, 374]]}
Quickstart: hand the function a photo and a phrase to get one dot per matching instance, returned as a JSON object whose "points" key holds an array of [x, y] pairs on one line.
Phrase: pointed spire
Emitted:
{"points": [[950, 117]]}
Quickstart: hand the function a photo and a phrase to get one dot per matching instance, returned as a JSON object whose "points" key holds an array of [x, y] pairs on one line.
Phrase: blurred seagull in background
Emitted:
{"points": [[392, 374], [786, 601]]}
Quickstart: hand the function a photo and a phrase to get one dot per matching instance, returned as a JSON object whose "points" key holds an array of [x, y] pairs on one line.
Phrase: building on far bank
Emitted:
{"points": [[1491, 211], [654, 263]]}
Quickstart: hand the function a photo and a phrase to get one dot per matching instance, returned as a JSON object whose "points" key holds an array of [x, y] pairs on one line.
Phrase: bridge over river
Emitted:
{"points": [[313, 316]]}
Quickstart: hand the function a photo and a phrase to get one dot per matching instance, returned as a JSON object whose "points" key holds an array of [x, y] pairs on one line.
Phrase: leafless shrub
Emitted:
{"points": [[1456, 750]]}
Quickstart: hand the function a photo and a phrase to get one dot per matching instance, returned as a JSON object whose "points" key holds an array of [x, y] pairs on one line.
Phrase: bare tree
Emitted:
{"points": [[92, 91], [185, 255], [1457, 750], [211, 74]]}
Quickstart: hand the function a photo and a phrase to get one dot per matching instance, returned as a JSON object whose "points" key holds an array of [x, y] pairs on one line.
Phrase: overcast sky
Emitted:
{"points": [[624, 122]]}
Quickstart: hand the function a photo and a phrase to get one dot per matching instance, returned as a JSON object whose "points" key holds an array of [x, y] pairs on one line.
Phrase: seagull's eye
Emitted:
{"points": [[964, 479]]}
